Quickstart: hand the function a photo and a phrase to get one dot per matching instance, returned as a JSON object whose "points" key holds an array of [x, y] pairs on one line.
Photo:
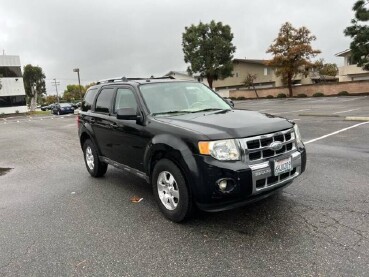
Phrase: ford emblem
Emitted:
{"points": [[276, 145]]}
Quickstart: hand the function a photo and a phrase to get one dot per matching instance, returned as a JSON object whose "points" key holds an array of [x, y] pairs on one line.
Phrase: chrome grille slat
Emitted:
{"points": [[257, 149]]}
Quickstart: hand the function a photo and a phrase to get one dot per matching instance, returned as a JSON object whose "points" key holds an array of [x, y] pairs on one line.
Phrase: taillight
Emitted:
{"points": [[78, 118]]}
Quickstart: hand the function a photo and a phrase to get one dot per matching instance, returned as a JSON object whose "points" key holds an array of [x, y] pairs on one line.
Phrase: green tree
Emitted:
{"points": [[325, 69], [360, 34], [72, 93], [292, 53], [88, 86], [50, 99], [249, 82], [209, 50], [34, 84]]}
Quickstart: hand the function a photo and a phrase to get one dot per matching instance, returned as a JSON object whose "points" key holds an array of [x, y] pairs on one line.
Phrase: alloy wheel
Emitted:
{"points": [[168, 190]]}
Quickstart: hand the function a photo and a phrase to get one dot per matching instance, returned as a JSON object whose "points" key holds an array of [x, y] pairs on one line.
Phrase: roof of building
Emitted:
{"points": [[173, 72], [343, 53], [253, 61], [7, 60]]}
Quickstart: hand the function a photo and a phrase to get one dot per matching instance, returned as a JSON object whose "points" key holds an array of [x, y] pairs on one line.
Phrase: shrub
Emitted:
{"points": [[270, 96], [241, 98], [301, 95], [343, 93], [233, 98], [318, 94], [281, 95]]}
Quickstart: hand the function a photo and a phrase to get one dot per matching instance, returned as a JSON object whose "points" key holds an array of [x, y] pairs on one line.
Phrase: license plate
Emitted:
{"points": [[282, 166]]}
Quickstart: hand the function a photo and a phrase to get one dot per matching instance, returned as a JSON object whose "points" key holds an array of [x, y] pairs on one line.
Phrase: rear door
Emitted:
{"points": [[101, 121]]}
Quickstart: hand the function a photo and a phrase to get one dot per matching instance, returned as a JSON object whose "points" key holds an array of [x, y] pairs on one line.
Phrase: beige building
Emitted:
{"points": [[265, 76], [350, 71]]}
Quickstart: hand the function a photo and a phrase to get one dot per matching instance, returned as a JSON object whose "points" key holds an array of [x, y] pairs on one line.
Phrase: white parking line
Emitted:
{"points": [[352, 99], [347, 111], [293, 111], [337, 132]]}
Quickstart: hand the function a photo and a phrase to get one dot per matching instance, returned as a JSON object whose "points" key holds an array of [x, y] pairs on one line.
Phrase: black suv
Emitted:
{"points": [[192, 146]]}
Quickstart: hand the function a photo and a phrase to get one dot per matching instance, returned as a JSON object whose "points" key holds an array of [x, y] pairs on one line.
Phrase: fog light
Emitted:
{"points": [[223, 185]]}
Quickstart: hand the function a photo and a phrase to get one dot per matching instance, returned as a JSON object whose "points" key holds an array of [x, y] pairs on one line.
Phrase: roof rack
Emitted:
{"points": [[125, 79]]}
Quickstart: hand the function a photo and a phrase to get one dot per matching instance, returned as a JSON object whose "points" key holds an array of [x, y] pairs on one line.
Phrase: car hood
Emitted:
{"points": [[228, 124]]}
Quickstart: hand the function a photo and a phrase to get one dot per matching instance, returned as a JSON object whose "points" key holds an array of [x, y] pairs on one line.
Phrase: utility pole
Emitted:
{"points": [[55, 83]]}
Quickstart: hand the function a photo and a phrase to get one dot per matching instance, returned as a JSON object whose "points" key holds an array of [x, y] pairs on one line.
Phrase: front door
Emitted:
{"points": [[129, 138]]}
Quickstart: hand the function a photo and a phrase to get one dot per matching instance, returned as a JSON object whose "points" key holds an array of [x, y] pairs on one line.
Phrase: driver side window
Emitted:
{"points": [[125, 99]]}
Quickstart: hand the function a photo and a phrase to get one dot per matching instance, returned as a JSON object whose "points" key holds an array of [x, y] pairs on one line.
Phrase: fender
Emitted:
{"points": [[87, 129], [178, 151]]}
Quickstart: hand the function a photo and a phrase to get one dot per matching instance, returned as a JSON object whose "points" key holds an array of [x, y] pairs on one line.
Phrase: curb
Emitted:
{"points": [[357, 118], [319, 114]]}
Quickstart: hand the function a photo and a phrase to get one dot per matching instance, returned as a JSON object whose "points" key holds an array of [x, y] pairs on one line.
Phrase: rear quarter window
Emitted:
{"points": [[88, 100]]}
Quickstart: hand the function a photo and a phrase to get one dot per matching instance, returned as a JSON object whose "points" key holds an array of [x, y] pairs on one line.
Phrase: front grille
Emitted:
{"points": [[257, 148], [272, 180]]}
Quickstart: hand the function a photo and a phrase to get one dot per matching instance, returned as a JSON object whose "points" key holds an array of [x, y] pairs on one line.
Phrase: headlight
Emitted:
{"points": [[299, 142], [223, 150]]}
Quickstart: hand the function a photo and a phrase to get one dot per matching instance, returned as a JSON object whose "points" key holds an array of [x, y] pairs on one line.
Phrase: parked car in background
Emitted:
{"points": [[47, 107], [62, 108], [74, 105]]}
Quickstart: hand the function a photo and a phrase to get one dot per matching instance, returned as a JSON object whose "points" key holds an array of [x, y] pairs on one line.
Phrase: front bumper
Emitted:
{"points": [[251, 182]]}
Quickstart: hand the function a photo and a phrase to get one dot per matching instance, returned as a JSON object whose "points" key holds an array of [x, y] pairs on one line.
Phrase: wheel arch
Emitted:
{"points": [[85, 135], [174, 149]]}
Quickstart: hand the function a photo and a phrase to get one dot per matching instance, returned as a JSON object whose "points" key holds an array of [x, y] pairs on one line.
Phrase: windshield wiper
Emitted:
{"points": [[211, 109], [170, 112]]}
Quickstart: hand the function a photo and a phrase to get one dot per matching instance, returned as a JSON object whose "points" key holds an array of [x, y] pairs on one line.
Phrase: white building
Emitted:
{"points": [[12, 93], [350, 71]]}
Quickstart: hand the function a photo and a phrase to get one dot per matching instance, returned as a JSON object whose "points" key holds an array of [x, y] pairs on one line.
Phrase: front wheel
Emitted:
{"points": [[171, 191], [94, 166]]}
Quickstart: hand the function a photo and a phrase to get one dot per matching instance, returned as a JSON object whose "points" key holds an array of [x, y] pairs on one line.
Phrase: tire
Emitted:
{"points": [[94, 166], [172, 195]]}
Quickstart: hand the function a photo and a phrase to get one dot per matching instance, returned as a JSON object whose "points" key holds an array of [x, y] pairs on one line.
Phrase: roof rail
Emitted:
{"points": [[125, 79]]}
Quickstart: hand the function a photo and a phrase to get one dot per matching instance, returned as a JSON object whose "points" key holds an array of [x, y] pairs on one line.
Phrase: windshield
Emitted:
{"points": [[65, 105], [178, 97]]}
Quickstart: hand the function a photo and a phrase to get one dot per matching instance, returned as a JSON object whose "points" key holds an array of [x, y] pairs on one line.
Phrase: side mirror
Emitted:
{"points": [[127, 114], [230, 102]]}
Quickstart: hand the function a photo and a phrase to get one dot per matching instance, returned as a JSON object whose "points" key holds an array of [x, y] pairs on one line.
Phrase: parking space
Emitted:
{"points": [[58, 221]]}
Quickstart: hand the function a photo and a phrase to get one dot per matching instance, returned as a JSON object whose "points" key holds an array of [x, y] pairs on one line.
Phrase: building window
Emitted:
{"points": [[265, 71], [12, 101], [10, 71]]}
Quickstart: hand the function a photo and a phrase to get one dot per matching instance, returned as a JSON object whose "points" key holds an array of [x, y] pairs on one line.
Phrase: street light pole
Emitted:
{"points": [[79, 82]]}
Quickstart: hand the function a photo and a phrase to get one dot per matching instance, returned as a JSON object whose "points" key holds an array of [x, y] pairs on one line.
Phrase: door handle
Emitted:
{"points": [[114, 125], [92, 120]]}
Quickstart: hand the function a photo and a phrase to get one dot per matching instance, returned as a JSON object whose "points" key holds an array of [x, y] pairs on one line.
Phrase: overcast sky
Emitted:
{"points": [[141, 38]]}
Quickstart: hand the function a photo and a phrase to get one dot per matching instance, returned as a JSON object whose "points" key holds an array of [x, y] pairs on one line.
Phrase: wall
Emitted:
{"points": [[20, 109], [12, 86], [309, 90]]}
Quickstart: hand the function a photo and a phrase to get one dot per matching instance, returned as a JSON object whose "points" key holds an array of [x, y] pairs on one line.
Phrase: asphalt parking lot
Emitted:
{"points": [[55, 220]]}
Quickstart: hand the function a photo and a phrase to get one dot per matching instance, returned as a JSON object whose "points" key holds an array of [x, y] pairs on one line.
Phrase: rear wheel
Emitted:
{"points": [[171, 191], [94, 166]]}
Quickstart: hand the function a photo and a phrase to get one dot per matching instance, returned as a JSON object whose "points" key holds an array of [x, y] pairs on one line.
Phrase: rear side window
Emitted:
{"points": [[89, 99], [104, 100]]}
